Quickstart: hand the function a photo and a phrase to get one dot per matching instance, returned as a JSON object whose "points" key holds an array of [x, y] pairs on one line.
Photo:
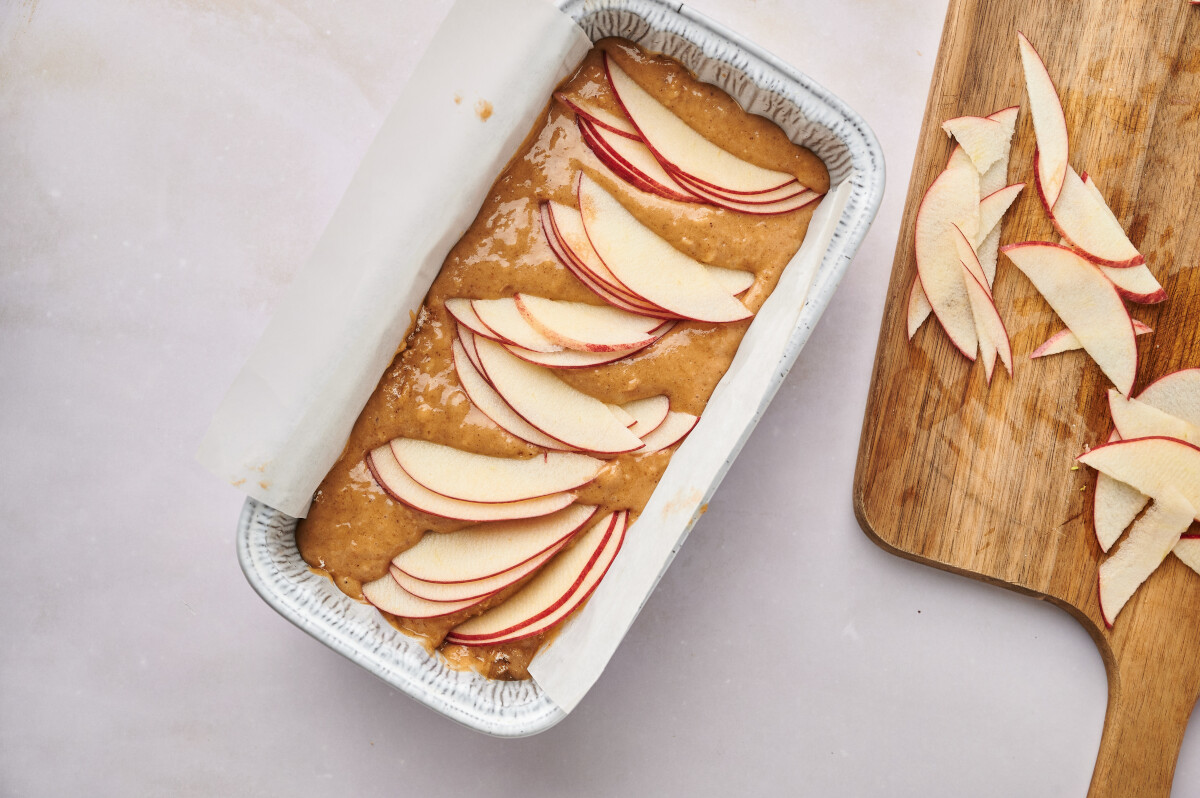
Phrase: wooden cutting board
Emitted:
{"points": [[979, 480]]}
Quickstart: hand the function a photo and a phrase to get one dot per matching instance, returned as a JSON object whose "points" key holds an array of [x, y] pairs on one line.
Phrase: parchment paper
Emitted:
{"points": [[288, 415], [571, 664]]}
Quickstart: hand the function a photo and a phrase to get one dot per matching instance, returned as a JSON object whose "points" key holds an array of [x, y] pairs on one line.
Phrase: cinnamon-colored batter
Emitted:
{"points": [[354, 529]]}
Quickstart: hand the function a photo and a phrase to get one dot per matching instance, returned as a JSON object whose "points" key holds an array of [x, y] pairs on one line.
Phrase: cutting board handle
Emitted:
{"points": [[1143, 732]]}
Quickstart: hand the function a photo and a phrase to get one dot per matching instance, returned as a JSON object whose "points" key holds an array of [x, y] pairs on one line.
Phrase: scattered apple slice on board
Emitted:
{"points": [[1177, 393], [386, 594], [546, 591], [681, 148], [1149, 542], [580, 594], [984, 139], [1188, 550], [992, 209], [480, 478], [1135, 283], [601, 118], [478, 589], [1049, 124], [551, 406], [993, 337], [1137, 419], [918, 307], [1151, 465], [586, 328], [396, 482], [479, 552], [1065, 341], [673, 429], [951, 198], [1089, 225], [484, 397], [1086, 301], [648, 266]]}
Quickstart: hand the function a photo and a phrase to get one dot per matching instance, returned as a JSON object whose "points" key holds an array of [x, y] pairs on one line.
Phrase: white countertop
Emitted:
{"points": [[164, 168]]}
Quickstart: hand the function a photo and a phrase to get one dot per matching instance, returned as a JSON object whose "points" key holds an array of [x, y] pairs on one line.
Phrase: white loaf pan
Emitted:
{"points": [[762, 84]]}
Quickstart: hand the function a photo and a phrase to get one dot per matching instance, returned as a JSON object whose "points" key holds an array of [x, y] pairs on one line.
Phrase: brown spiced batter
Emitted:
{"points": [[354, 529]]}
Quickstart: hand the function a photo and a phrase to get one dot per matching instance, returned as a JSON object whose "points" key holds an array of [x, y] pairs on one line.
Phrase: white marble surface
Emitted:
{"points": [[164, 167]]}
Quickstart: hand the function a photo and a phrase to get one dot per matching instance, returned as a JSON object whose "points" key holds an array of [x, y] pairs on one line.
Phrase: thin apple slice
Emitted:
{"points": [[621, 414], [478, 589], [600, 117], [553, 586], [509, 326], [1049, 124], [1151, 465], [681, 148], [632, 161], [1066, 341], [990, 326], [649, 414], [987, 243], [648, 266], [671, 431], [586, 328], [735, 281], [1177, 393], [992, 209], [1089, 226], [471, 477], [568, 358], [985, 140], [1188, 550], [484, 397], [794, 203], [464, 314], [1151, 539], [951, 198], [552, 406], [479, 552], [578, 596], [387, 595], [1086, 301], [396, 482], [918, 307], [1135, 283], [1137, 419]]}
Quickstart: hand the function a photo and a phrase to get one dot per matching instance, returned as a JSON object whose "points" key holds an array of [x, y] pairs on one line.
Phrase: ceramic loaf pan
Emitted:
{"points": [[764, 85]]}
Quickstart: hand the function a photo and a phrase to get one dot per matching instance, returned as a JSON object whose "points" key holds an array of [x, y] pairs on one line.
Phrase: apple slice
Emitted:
{"points": [[1049, 124], [479, 589], [599, 117], [509, 326], [545, 592], [682, 149], [987, 243], [992, 209], [1086, 301], [1137, 419], [463, 313], [586, 328], [396, 482], [950, 199], [621, 414], [578, 596], [993, 337], [552, 406], [1135, 283], [648, 266], [648, 414], [387, 595], [918, 307], [1177, 393], [632, 161], [472, 477], [1151, 465], [1188, 550], [790, 198], [1089, 225], [479, 552], [1152, 538], [566, 359], [484, 397], [671, 431], [985, 140], [1066, 341]]}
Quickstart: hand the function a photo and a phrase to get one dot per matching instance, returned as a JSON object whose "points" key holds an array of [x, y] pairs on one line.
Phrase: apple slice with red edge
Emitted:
{"points": [[1066, 341], [648, 266], [1137, 419], [464, 314], [479, 552], [984, 139], [479, 589], [992, 209], [990, 326], [600, 117], [396, 482], [457, 474], [568, 358], [580, 594], [1086, 302], [509, 326], [1151, 539], [649, 414], [586, 328], [553, 586], [1049, 123], [674, 428], [1088, 225], [484, 397], [680, 148], [386, 594], [551, 406], [633, 162], [1135, 283], [1150, 465]]}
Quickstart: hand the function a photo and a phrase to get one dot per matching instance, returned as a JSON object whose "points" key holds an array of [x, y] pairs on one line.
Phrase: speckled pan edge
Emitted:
{"points": [[811, 116]]}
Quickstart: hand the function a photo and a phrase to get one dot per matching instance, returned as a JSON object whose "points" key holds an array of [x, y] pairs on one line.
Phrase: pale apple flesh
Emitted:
{"points": [[1066, 341], [1049, 123], [479, 589], [1088, 224]]}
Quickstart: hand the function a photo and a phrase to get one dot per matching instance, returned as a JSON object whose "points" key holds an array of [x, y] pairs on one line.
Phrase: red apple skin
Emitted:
{"points": [[625, 170], [1113, 264], [583, 114]]}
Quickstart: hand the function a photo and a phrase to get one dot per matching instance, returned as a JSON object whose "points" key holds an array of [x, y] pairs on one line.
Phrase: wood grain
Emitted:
{"points": [[979, 480]]}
